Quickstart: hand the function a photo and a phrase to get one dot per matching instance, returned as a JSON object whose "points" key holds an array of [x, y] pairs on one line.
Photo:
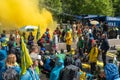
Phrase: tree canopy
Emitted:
{"points": [[79, 7]]}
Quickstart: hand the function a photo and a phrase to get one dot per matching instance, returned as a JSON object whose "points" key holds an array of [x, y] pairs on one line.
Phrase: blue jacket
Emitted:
{"points": [[111, 71], [16, 68], [30, 75], [3, 56], [54, 75], [47, 66]]}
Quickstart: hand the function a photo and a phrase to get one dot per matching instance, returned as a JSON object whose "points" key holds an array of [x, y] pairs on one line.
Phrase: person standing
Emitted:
{"points": [[31, 73], [30, 39], [55, 41], [80, 46], [11, 70], [93, 55], [104, 47], [105, 28], [68, 41]]}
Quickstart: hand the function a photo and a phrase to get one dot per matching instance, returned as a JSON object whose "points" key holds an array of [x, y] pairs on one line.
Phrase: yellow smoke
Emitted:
{"points": [[18, 13]]}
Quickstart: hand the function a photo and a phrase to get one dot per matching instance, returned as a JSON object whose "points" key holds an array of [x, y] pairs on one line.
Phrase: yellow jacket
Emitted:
{"points": [[93, 55], [68, 39]]}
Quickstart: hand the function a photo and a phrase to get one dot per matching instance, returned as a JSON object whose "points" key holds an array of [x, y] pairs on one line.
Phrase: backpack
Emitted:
{"points": [[68, 60], [70, 72], [18, 54], [10, 74]]}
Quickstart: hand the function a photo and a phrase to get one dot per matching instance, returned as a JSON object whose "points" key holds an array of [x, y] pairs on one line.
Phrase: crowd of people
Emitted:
{"points": [[91, 41]]}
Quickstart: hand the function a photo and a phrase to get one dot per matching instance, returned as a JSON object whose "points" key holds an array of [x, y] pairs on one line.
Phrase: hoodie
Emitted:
{"points": [[54, 75], [111, 71], [3, 56], [69, 38]]}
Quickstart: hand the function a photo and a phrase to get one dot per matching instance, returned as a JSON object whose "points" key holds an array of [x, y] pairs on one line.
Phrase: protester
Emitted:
{"points": [[70, 71], [47, 36], [31, 73], [58, 32], [111, 72], [54, 75], [105, 28], [93, 55], [30, 39], [24, 36], [55, 41], [68, 41], [12, 45], [4, 42], [11, 70], [50, 61], [35, 54], [42, 43], [3, 56], [104, 47], [17, 35], [62, 55], [80, 46]]}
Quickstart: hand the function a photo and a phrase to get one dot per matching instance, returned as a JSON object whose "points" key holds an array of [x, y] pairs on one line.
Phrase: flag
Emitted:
{"points": [[26, 60], [38, 33]]}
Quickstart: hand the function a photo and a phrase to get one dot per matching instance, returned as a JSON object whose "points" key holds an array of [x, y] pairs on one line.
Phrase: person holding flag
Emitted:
{"points": [[28, 64]]}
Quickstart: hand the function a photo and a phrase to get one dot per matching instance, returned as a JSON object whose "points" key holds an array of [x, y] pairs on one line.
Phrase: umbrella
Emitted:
{"points": [[29, 28], [94, 22]]}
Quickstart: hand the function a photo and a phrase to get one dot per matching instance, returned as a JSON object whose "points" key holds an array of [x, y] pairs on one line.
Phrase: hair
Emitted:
{"points": [[95, 44], [31, 33], [34, 47], [104, 35], [11, 60]]}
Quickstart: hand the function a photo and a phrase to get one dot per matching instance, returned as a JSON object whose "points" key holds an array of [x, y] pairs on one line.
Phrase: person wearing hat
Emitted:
{"points": [[47, 35], [35, 55], [6, 72], [55, 41]]}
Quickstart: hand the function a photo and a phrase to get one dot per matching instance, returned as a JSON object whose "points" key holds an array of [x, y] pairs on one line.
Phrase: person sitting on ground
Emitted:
{"points": [[11, 70], [31, 73], [54, 75], [35, 54], [111, 72], [3, 56]]}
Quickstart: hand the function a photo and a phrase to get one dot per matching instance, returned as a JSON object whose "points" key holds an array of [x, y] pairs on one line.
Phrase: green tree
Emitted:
{"points": [[116, 7], [98, 7], [55, 6]]}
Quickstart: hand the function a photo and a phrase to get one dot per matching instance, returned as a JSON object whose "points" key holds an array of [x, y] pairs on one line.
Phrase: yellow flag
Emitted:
{"points": [[26, 60]]}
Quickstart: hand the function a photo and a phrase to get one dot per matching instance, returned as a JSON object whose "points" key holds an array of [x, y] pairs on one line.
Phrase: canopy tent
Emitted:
{"points": [[113, 21], [29, 28]]}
